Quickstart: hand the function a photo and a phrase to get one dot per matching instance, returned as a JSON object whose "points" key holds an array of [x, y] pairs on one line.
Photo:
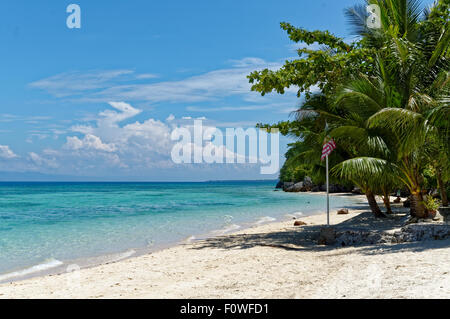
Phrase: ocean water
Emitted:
{"points": [[50, 225]]}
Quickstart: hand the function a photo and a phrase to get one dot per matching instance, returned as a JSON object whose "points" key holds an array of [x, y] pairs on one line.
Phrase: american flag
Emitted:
{"points": [[328, 146]]}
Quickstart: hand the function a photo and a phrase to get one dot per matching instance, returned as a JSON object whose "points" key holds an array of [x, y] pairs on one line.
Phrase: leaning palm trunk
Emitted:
{"points": [[417, 206], [373, 204], [387, 203], [442, 189]]}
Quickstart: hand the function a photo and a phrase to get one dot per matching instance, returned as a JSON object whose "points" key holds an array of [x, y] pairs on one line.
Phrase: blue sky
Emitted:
{"points": [[99, 102]]}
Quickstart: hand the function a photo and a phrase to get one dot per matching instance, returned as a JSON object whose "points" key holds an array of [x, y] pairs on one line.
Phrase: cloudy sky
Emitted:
{"points": [[100, 102]]}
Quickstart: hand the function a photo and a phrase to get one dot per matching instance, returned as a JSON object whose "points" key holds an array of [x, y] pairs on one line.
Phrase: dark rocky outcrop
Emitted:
{"points": [[298, 187], [280, 184], [286, 185], [307, 185]]}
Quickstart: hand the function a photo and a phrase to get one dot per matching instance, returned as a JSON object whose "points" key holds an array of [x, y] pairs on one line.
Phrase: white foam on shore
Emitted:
{"points": [[52, 263], [123, 255], [294, 215], [226, 229], [266, 219], [190, 239]]}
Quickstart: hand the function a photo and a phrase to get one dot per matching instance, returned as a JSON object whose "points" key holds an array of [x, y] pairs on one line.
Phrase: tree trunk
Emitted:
{"points": [[387, 203], [374, 205], [442, 189], [417, 206]]}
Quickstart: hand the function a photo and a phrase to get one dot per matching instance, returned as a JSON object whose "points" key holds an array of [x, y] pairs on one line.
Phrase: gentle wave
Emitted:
{"points": [[226, 229], [123, 255], [294, 215], [53, 263], [266, 219], [190, 239]]}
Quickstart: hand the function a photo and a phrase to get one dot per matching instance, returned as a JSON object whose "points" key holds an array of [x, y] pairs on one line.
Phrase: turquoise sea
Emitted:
{"points": [[47, 226]]}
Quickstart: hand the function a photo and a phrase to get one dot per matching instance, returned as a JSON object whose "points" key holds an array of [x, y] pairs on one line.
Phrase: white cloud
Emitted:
{"points": [[146, 76], [89, 142], [110, 138], [98, 87], [40, 161], [5, 118], [126, 111], [69, 83], [249, 62], [36, 158], [6, 152], [253, 107], [135, 144], [73, 83]]}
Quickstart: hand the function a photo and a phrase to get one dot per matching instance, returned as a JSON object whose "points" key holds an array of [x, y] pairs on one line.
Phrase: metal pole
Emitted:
{"points": [[328, 199]]}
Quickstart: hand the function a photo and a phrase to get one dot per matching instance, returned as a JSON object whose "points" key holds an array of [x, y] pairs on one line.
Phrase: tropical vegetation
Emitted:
{"points": [[384, 98]]}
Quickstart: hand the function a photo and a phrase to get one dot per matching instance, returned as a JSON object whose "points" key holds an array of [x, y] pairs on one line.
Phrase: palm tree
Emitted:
{"points": [[347, 127], [399, 137], [373, 176], [412, 80], [391, 119]]}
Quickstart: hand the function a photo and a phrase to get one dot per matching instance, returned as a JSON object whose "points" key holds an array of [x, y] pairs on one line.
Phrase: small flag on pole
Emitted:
{"points": [[328, 146]]}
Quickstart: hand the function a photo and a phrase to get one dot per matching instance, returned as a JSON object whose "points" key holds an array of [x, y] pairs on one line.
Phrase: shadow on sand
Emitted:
{"points": [[305, 238]]}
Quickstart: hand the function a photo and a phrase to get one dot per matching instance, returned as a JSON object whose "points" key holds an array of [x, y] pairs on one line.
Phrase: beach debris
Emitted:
{"points": [[327, 236], [343, 211], [299, 223]]}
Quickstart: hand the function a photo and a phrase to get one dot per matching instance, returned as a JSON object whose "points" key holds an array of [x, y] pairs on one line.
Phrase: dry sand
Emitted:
{"points": [[275, 260]]}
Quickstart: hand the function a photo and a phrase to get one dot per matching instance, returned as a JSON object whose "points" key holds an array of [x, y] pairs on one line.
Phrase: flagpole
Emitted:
{"points": [[328, 197]]}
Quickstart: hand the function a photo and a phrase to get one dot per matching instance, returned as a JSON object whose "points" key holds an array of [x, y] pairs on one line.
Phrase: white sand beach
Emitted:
{"points": [[275, 260]]}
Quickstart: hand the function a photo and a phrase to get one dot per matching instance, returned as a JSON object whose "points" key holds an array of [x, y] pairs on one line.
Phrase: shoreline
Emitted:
{"points": [[58, 267], [264, 261]]}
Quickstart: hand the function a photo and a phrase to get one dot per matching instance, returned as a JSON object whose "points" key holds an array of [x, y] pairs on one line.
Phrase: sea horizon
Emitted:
{"points": [[138, 181]]}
